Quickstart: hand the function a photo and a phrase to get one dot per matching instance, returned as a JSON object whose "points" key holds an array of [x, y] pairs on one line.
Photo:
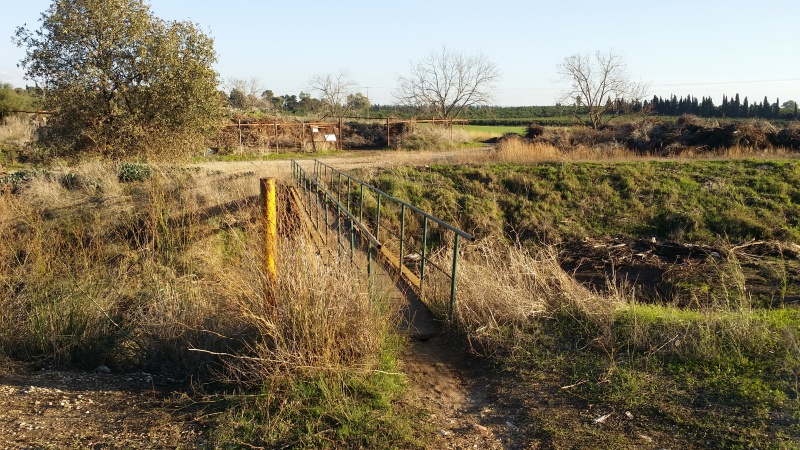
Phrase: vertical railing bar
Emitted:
{"points": [[453, 279], [378, 219], [339, 188], [424, 252], [352, 240], [402, 234], [339, 231], [361, 208], [327, 226], [348, 195]]}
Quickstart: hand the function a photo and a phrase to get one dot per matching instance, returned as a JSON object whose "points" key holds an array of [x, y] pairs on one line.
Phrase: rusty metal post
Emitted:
{"points": [[340, 141], [269, 206]]}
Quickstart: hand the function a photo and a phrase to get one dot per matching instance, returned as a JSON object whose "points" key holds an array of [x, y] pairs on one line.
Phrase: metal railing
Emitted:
{"points": [[365, 205], [318, 201]]}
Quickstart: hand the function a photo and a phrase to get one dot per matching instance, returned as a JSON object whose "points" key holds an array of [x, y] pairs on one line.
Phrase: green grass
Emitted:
{"points": [[341, 409], [700, 201], [491, 130], [725, 380]]}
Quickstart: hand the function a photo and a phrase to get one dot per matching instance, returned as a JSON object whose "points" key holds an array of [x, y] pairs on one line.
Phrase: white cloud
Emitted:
{"points": [[12, 75]]}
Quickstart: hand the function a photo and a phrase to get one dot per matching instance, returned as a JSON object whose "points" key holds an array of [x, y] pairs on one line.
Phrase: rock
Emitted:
{"points": [[102, 369]]}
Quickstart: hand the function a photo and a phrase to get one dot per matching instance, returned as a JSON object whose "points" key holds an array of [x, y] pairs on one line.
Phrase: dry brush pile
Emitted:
{"points": [[688, 136]]}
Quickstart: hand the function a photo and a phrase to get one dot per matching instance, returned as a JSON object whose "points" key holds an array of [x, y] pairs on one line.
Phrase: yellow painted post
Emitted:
{"points": [[269, 205]]}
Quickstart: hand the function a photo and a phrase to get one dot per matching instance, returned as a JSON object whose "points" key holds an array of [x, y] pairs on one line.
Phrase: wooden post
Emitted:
{"points": [[277, 148], [269, 205], [388, 132]]}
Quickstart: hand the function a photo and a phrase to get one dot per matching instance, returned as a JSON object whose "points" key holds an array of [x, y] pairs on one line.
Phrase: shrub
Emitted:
{"points": [[129, 172]]}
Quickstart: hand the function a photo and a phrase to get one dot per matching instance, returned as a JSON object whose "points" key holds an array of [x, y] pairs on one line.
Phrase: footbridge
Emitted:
{"points": [[411, 252]]}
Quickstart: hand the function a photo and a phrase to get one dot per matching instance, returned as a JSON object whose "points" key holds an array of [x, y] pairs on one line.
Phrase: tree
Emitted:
{"points": [[122, 81], [447, 81], [333, 92], [600, 80], [248, 93], [357, 103], [237, 99], [14, 100]]}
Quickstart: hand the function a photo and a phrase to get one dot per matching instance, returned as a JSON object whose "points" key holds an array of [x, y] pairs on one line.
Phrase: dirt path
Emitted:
{"points": [[50, 409], [347, 161]]}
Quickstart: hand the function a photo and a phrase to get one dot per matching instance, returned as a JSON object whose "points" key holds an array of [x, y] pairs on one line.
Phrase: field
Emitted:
{"points": [[612, 300], [486, 132]]}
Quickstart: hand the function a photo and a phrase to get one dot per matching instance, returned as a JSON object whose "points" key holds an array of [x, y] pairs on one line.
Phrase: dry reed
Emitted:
{"points": [[16, 131]]}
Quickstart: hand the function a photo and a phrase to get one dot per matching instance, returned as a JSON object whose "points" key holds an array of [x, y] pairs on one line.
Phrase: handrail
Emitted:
{"points": [[316, 182], [438, 221], [347, 213]]}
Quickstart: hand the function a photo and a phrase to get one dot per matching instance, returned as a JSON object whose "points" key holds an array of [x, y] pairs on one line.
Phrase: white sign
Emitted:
{"points": [[330, 138]]}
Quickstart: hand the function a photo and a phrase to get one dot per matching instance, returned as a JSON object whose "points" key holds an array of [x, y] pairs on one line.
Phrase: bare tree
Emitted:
{"points": [[333, 91], [249, 92], [447, 81], [600, 83]]}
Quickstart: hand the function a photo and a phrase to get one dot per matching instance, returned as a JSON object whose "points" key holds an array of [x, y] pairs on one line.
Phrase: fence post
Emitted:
{"points": [[269, 205], [388, 132], [340, 141]]}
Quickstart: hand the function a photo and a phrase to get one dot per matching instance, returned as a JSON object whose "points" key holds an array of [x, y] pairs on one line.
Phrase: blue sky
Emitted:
{"points": [[679, 47]]}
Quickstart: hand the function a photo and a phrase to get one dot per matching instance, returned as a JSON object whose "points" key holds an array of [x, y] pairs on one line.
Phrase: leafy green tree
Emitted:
{"points": [[14, 100], [237, 99], [122, 81], [357, 103]]}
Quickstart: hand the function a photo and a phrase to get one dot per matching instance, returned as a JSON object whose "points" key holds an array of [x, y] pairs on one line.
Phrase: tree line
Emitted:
{"points": [[732, 107]]}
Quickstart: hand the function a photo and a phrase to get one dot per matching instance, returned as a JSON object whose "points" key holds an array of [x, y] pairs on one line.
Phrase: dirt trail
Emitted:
{"points": [[60, 409], [348, 161]]}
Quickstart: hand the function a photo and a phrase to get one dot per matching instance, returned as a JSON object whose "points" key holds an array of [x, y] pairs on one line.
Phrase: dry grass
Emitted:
{"points": [[432, 138], [143, 275], [519, 150], [323, 320], [503, 288], [16, 131]]}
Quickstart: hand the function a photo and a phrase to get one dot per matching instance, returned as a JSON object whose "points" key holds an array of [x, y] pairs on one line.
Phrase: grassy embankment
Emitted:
{"points": [[723, 373]]}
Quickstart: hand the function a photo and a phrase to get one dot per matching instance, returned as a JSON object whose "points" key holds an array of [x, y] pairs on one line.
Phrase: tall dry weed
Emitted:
{"points": [[96, 271], [317, 318], [16, 131], [503, 288]]}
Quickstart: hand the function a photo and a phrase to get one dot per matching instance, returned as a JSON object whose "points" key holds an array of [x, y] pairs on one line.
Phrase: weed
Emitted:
{"points": [[129, 172]]}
